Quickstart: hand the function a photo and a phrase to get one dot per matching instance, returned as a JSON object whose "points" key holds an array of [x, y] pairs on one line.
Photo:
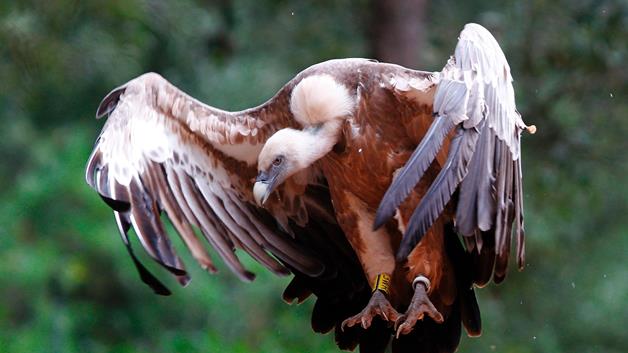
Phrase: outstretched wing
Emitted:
{"points": [[475, 97], [162, 151]]}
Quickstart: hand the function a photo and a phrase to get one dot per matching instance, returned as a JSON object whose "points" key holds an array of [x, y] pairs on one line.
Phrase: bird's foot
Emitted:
{"points": [[418, 308], [377, 306]]}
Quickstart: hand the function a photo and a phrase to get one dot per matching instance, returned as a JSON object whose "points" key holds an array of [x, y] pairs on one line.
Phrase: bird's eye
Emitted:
{"points": [[277, 161]]}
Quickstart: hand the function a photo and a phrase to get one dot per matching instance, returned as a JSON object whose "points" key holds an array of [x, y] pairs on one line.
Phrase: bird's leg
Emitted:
{"points": [[418, 308], [429, 274], [374, 250], [378, 305]]}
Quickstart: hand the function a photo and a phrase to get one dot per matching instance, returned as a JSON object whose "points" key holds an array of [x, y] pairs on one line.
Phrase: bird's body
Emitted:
{"points": [[384, 125], [334, 144]]}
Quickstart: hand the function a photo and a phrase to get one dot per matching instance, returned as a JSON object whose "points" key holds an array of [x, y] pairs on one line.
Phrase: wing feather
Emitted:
{"points": [[475, 204], [449, 101], [214, 231], [284, 250], [438, 195], [413, 170], [519, 231], [178, 217], [483, 164], [162, 151], [124, 224], [149, 229], [240, 227]]}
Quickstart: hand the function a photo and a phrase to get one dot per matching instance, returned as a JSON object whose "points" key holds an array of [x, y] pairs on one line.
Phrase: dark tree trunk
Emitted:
{"points": [[396, 31]]}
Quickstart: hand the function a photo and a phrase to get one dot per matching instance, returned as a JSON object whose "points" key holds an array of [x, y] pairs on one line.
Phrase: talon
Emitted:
{"points": [[402, 330], [350, 322], [419, 306], [437, 316], [377, 306], [399, 321]]}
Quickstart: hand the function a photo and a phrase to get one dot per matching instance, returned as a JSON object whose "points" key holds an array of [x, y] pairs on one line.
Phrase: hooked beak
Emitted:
{"points": [[264, 186]]}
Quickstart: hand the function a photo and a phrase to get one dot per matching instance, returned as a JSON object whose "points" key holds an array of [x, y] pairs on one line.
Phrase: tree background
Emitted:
{"points": [[66, 282]]}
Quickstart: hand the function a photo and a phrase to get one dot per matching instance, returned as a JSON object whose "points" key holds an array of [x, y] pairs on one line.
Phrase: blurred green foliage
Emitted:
{"points": [[66, 280]]}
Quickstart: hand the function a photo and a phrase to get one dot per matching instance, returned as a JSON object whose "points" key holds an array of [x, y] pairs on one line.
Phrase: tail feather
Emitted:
{"points": [[470, 312], [465, 272], [483, 260]]}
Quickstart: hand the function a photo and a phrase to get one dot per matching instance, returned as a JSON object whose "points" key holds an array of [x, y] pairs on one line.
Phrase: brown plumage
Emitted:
{"points": [[161, 150]]}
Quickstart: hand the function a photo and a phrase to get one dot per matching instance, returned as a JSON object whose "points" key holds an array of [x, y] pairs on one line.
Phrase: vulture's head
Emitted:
{"points": [[285, 153], [318, 103]]}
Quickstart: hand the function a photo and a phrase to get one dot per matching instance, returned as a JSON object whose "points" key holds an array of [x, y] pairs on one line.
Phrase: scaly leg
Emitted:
{"points": [[378, 306], [429, 273]]}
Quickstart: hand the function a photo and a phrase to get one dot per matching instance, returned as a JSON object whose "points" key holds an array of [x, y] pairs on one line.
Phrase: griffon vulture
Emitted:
{"points": [[348, 136]]}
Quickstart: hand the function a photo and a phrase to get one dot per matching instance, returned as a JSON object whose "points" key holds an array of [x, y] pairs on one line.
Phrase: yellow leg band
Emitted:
{"points": [[382, 283]]}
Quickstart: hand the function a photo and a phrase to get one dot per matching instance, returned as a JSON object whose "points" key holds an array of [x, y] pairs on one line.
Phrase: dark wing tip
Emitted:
{"points": [[382, 216], [116, 205], [145, 275], [247, 276], [184, 280], [152, 281], [108, 104], [182, 275]]}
